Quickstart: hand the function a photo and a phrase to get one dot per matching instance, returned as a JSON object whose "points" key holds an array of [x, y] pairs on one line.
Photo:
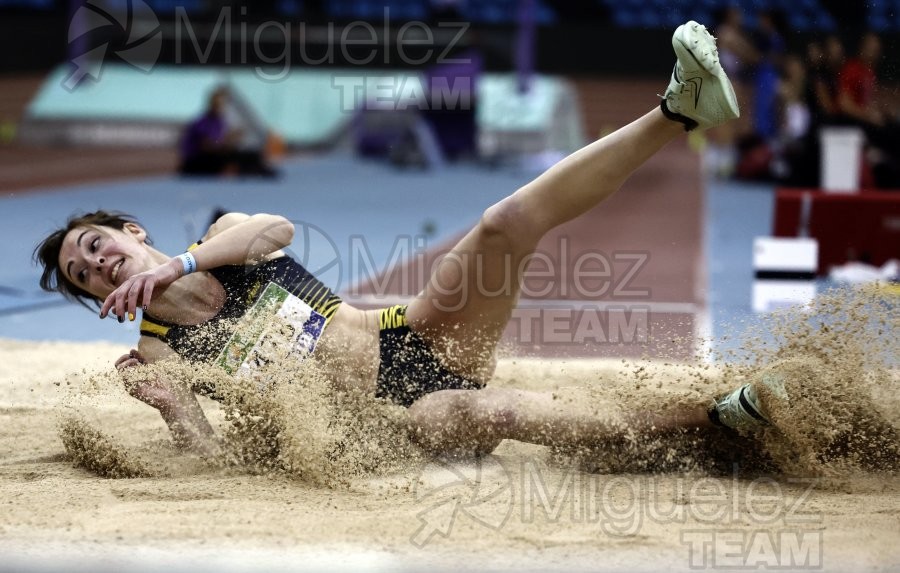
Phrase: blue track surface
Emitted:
{"points": [[736, 213]]}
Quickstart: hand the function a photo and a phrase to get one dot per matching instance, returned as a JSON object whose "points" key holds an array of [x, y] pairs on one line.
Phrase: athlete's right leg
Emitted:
{"points": [[473, 422], [470, 298], [467, 422]]}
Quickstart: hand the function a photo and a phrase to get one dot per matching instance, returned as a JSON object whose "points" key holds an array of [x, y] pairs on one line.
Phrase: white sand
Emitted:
{"points": [[504, 512]]}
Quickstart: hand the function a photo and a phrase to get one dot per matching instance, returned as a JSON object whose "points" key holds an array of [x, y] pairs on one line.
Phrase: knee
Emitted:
{"points": [[455, 423], [437, 419], [489, 415], [509, 221]]}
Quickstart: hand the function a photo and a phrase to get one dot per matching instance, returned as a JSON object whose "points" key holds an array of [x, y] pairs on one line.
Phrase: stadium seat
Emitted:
{"points": [[805, 15], [33, 4]]}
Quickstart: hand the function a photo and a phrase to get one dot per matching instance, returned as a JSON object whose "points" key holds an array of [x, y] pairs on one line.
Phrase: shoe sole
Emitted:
{"points": [[692, 41]]}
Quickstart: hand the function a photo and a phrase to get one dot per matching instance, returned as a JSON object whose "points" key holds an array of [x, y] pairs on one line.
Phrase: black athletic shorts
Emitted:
{"points": [[409, 369]]}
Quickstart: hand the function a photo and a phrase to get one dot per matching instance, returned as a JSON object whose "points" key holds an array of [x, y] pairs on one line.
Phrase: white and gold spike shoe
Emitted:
{"points": [[699, 93]]}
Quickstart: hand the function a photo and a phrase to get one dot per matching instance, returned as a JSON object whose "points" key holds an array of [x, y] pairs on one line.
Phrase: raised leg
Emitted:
{"points": [[465, 307], [470, 298]]}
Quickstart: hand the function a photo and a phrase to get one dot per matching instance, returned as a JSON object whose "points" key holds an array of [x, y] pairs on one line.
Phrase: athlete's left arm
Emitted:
{"points": [[235, 239], [238, 238]]}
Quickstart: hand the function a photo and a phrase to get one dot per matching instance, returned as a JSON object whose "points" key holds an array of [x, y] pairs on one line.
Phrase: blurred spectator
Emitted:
{"points": [[820, 86], [210, 146], [770, 45], [857, 105], [792, 89], [858, 83], [737, 53], [834, 61], [738, 57], [794, 152]]}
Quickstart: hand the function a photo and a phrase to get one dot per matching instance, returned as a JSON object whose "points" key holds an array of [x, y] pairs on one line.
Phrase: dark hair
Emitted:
{"points": [[47, 254]]}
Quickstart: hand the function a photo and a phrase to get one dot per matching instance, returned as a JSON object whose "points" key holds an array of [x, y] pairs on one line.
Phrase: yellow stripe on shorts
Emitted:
{"points": [[154, 328], [392, 317]]}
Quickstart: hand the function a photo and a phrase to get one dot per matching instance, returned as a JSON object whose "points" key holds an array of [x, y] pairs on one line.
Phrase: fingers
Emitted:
{"points": [[128, 364], [137, 291], [133, 358], [115, 302], [123, 302], [148, 295], [107, 304], [130, 302]]}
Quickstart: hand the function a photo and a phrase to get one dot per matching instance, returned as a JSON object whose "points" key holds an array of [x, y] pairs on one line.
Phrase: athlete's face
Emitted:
{"points": [[98, 259]]}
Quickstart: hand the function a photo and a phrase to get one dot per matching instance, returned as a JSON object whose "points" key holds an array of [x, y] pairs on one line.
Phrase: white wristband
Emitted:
{"points": [[188, 262]]}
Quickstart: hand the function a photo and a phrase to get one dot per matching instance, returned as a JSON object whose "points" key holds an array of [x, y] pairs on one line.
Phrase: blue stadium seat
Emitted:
{"points": [[879, 23], [674, 17], [339, 10], [371, 10], [799, 21], [826, 22], [651, 19], [404, 10], [625, 18], [546, 15], [169, 6], [290, 7], [505, 12], [32, 4], [807, 15]]}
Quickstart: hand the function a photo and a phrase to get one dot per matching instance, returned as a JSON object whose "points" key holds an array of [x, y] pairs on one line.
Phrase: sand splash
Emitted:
{"points": [[837, 360], [287, 419]]}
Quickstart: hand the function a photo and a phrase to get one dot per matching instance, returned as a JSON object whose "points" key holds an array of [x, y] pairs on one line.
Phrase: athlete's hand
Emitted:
{"points": [[133, 358], [149, 391], [139, 290]]}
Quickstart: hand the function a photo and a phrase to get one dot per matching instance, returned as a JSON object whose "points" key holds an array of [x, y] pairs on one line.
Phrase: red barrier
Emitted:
{"points": [[849, 227]]}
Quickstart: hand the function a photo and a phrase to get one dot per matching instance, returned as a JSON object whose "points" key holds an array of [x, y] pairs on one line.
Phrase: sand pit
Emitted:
{"points": [[91, 481]]}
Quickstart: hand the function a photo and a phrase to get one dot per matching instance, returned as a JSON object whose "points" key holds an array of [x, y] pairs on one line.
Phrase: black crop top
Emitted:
{"points": [[243, 287]]}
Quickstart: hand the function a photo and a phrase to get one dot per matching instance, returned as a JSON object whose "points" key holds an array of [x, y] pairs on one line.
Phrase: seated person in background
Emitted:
{"points": [[210, 147]]}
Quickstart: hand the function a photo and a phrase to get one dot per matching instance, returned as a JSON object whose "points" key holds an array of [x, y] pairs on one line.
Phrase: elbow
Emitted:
{"points": [[285, 230], [279, 230]]}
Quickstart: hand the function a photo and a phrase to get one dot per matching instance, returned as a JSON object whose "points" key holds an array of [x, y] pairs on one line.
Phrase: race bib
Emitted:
{"points": [[278, 326]]}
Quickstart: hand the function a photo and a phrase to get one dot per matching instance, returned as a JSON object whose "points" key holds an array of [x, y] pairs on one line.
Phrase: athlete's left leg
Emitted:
{"points": [[470, 298], [466, 305]]}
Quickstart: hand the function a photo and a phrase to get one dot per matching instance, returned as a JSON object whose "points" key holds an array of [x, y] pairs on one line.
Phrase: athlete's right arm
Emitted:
{"points": [[178, 405]]}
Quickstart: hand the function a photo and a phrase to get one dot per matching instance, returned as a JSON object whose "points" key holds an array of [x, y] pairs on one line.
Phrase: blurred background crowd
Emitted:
{"points": [[798, 67], [797, 91]]}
